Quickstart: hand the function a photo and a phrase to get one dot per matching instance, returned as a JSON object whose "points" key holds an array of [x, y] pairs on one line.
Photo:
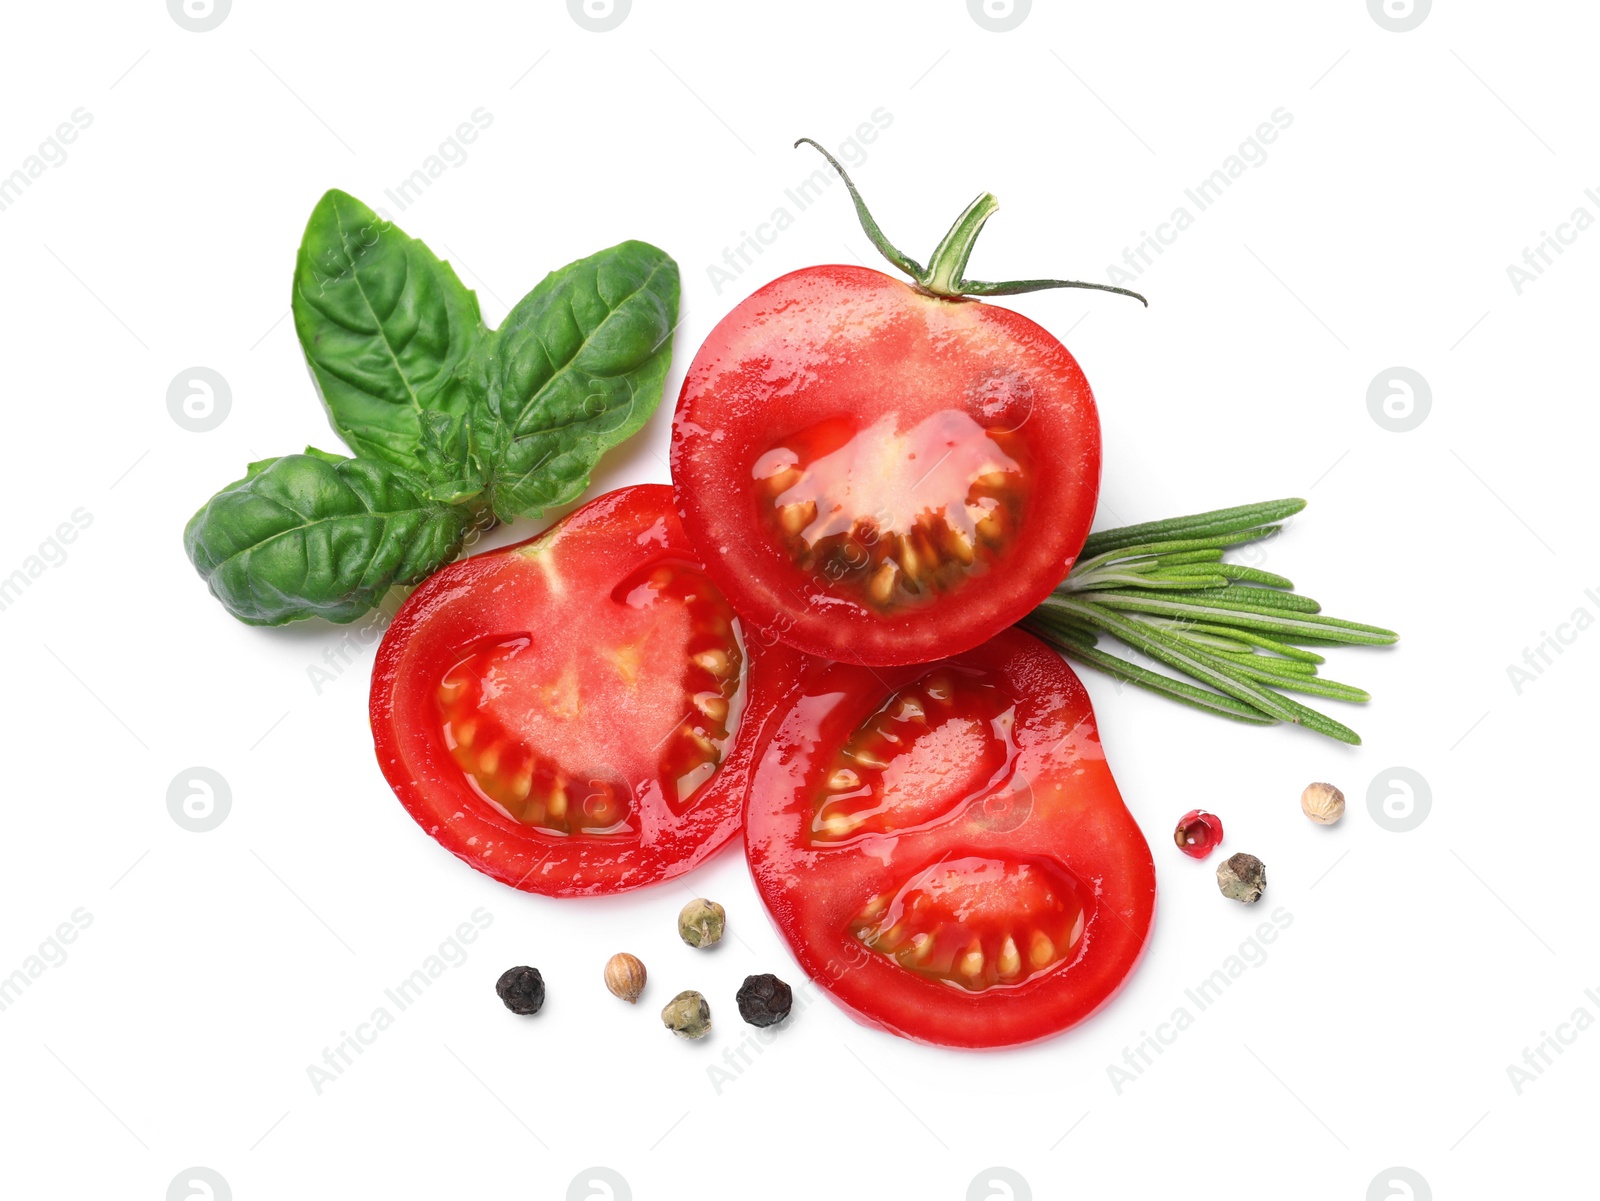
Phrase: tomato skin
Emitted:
{"points": [[1072, 818], [553, 579], [845, 342]]}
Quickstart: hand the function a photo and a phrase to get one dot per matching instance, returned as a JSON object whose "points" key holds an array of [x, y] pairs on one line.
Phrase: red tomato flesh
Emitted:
{"points": [[879, 475], [944, 849], [573, 715]]}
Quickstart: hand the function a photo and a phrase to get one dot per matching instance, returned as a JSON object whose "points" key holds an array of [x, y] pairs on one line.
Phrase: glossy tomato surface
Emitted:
{"points": [[575, 715], [879, 475], [944, 849]]}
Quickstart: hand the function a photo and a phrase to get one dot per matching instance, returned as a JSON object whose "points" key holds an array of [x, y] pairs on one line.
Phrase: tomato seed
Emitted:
{"points": [[1010, 962], [713, 704], [794, 518], [1042, 950], [783, 480], [716, 662], [881, 586], [909, 710]]}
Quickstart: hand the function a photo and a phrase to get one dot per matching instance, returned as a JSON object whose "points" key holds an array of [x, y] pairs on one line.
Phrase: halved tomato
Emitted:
{"points": [[880, 475], [575, 714], [944, 849]]}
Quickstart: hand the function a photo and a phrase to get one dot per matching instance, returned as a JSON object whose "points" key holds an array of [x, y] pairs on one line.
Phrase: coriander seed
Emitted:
{"points": [[764, 1000], [1322, 803], [522, 990], [625, 976], [1242, 877], [687, 1015], [701, 922]]}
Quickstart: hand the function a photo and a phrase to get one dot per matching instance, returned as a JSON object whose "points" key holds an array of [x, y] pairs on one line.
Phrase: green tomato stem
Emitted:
{"points": [[945, 274]]}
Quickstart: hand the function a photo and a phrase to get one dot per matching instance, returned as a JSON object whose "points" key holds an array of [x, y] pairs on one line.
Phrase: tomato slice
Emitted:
{"points": [[944, 849], [575, 714], [879, 475]]}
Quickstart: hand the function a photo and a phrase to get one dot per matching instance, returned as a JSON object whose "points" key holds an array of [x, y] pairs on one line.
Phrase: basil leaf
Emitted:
{"points": [[384, 324], [317, 535], [578, 366]]}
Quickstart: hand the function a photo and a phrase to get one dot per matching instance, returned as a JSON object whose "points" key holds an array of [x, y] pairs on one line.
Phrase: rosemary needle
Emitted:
{"points": [[1163, 590]]}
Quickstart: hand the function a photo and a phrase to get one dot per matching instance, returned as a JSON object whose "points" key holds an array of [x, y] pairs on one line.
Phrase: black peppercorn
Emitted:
{"points": [[764, 1000], [522, 989]]}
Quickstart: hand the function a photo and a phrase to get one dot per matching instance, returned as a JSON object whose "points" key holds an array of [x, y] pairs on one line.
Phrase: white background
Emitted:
{"points": [[217, 967]]}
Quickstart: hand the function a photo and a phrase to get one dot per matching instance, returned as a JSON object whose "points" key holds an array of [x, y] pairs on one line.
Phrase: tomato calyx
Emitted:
{"points": [[945, 274]]}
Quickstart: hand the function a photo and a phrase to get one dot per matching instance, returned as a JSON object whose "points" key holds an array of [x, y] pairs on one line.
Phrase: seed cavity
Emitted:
{"points": [[895, 517], [961, 921], [530, 784], [893, 771]]}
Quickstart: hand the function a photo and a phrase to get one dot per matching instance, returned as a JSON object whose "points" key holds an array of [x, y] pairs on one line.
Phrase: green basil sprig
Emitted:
{"points": [[453, 424]]}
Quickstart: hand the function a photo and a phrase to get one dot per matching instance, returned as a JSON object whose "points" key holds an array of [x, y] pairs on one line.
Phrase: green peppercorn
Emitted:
{"points": [[687, 1015], [701, 922], [1243, 878]]}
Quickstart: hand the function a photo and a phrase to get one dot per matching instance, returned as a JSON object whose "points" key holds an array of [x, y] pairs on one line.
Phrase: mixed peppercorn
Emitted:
{"points": [[763, 1000], [1243, 877]]}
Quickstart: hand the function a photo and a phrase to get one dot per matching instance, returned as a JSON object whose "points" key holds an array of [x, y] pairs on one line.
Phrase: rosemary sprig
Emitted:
{"points": [[1163, 589]]}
